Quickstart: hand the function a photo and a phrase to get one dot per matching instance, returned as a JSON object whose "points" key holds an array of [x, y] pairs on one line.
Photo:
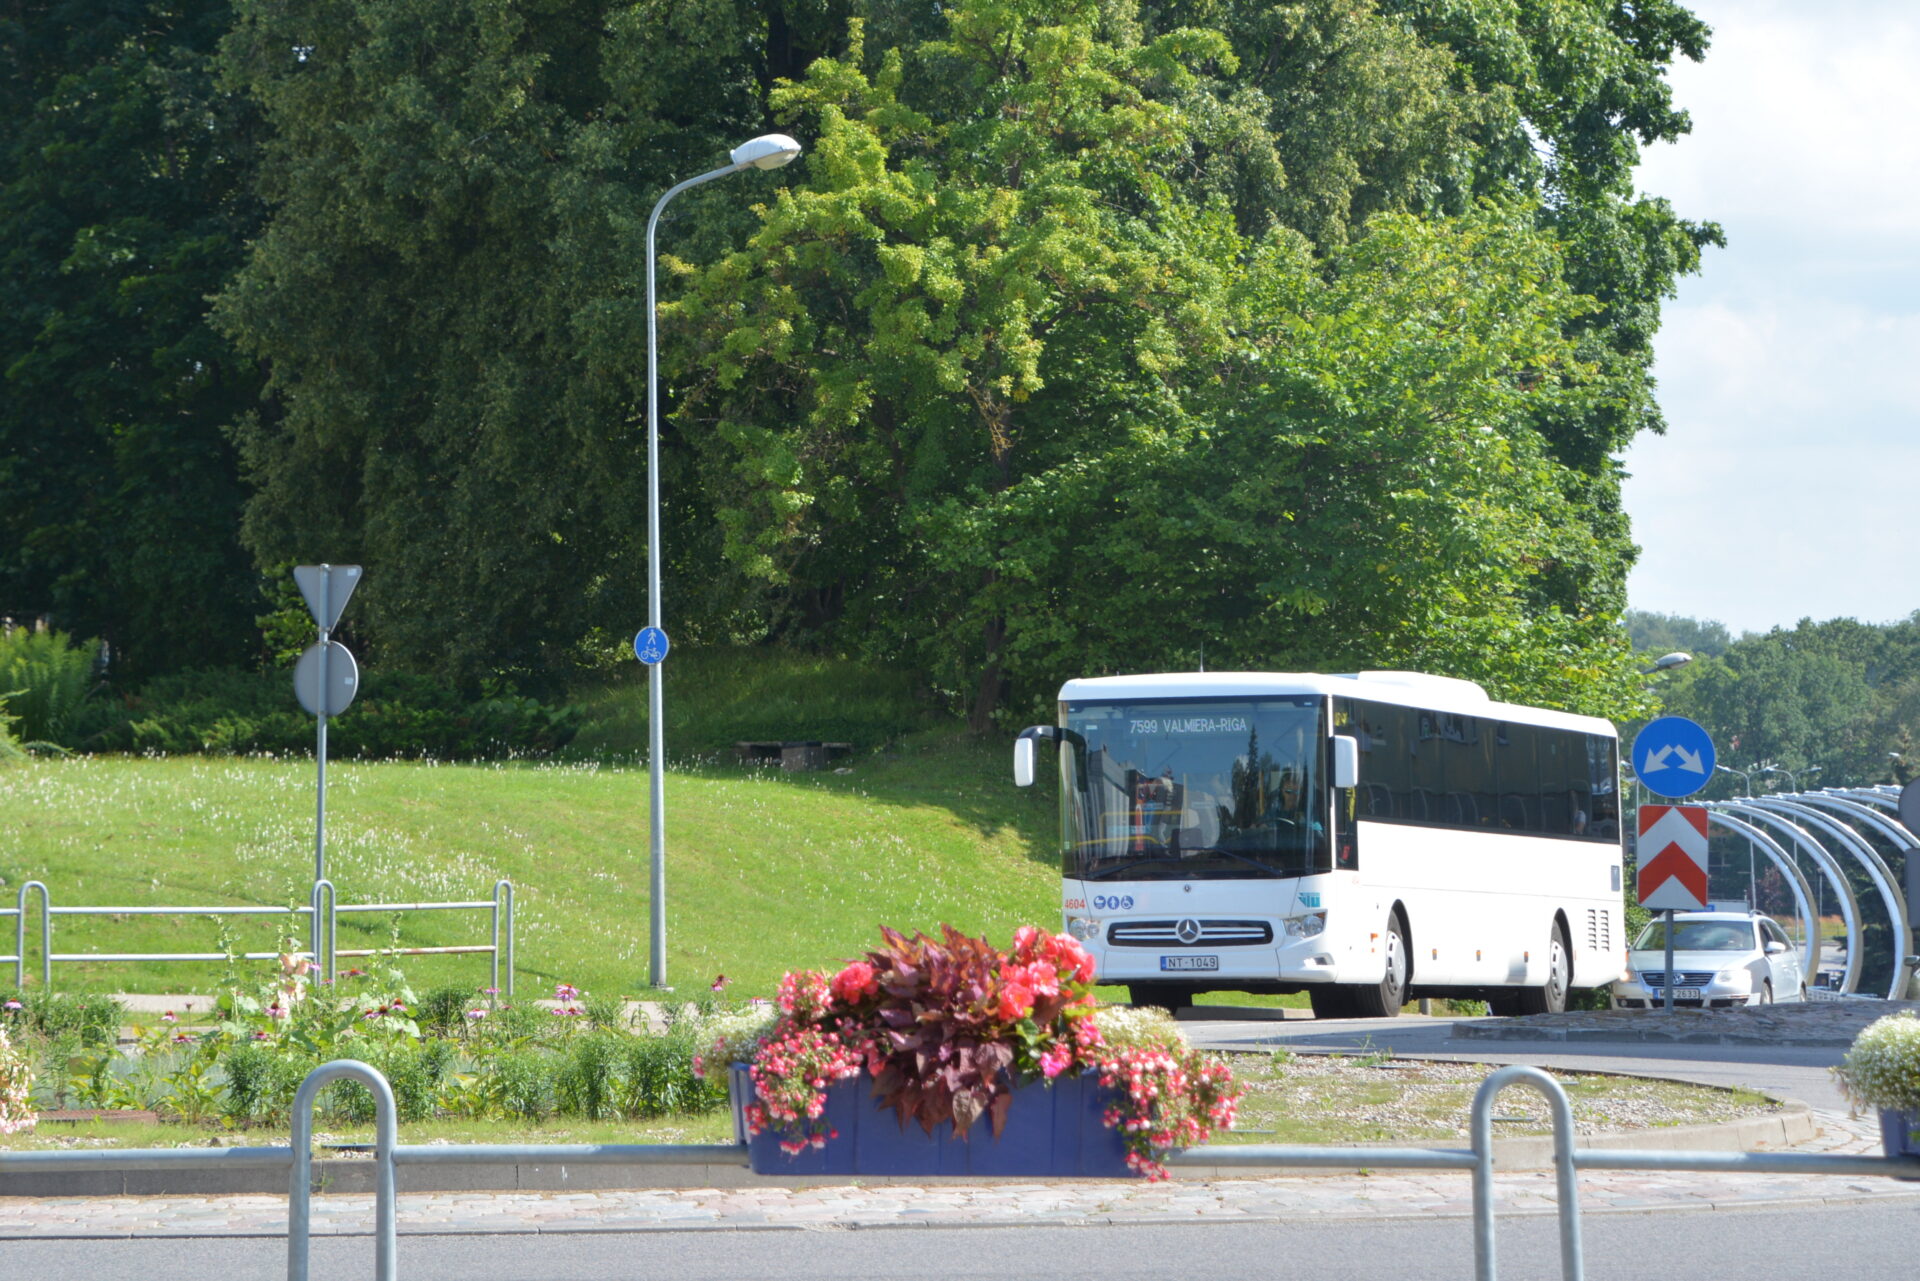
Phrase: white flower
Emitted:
{"points": [[1882, 1070]]}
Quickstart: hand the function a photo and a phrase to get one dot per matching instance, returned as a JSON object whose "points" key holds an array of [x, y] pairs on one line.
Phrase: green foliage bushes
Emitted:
{"points": [[44, 682], [451, 1053], [396, 716]]}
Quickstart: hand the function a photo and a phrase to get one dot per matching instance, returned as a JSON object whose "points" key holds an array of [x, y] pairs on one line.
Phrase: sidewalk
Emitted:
{"points": [[1360, 1196]]}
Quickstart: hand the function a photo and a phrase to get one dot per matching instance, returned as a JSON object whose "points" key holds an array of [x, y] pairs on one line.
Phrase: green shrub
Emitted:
{"points": [[657, 1078], [91, 1020], [443, 1010], [222, 711], [249, 1069], [605, 1012], [44, 678], [523, 1082], [584, 1082], [724, 695]]}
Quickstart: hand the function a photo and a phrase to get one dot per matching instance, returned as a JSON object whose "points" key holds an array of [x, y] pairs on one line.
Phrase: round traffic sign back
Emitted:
{"points": [[343, 679]]}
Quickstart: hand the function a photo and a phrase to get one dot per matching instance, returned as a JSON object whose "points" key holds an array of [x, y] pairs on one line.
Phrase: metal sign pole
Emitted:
{"points": [[320, 746], [1669, 933]]}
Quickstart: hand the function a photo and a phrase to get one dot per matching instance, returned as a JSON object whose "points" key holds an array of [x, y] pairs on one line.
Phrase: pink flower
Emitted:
{"points": [[259, 1036], [14, 1005], [1055, 1061], [854, 983], [566, 992], [719, 983], [168, 1017], [476, 1015], [276, 1011], [1016, 999]]}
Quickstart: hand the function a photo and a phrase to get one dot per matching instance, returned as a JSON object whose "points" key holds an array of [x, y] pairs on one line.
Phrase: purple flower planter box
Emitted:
{"points": [[1051, 1130], [1900, 1133]]}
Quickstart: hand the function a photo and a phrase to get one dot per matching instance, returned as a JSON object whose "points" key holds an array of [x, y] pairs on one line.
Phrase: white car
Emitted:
{"points": [[1720, 960]]}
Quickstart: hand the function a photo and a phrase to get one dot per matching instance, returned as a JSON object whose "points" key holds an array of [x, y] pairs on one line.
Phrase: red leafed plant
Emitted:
{"points": [[947, 1027], [950, 1024]]}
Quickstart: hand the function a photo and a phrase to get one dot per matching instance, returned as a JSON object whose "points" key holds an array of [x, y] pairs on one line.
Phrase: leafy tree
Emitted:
{"points": [[1656, 634], [125, 197], [989, 374]]}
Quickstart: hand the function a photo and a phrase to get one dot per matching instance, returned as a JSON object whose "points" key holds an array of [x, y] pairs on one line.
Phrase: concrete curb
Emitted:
{"points": [[1794, 1124]]}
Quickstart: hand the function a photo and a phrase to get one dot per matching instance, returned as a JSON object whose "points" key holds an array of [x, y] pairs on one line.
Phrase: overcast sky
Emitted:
{"points": [[1788, 483]]}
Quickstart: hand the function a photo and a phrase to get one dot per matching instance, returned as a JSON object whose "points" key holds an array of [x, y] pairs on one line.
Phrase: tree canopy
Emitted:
{"points": [[1086, 335]]}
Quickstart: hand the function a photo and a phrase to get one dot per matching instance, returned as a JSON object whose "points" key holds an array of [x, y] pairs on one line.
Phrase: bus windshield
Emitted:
{"points": [[1194, 788]]}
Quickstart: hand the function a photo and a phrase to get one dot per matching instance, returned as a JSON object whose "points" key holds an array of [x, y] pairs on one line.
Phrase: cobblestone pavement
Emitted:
{"points": [[1378, 1195]]}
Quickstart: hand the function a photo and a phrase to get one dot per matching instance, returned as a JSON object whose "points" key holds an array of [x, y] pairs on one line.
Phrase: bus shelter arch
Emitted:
{"points": [[1796, 880], [1829, 867], [1877, 870]]}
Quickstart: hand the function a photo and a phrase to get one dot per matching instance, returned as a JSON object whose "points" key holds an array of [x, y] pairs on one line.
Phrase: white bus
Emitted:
{"points": [[1367, 839]]}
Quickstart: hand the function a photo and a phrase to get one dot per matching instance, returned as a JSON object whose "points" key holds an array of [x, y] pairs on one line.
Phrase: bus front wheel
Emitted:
{"points": [[1383, 1000], [1171, 997]]}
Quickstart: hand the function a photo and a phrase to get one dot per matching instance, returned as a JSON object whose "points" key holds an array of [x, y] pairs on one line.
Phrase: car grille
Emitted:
{"points": [[1212, 934], [1682, 978]]}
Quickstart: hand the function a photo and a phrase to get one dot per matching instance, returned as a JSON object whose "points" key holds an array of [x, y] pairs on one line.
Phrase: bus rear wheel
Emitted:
{"points": [[1550, 997], [1171, 997], [1383, 1000]]}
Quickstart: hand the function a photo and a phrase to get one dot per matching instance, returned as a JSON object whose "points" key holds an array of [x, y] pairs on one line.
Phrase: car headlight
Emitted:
{"points": [[1734, 974], [1305, 927], [1084, 928]]}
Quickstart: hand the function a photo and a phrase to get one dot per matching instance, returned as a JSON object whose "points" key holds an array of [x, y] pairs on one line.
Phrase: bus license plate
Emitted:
{"points": [[1189, 963], [1686, 994]]}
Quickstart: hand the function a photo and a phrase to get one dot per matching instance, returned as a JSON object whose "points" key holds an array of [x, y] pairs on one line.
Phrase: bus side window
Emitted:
{"points": [[1518, 769], [1603, 782]]}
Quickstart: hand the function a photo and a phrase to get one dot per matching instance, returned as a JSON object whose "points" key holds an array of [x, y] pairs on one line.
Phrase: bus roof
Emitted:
{"points": [[1410, 689]]}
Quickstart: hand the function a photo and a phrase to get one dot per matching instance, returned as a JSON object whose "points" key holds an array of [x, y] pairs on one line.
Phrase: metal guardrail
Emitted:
{"points": [[323, 910], [1478, 1160]]}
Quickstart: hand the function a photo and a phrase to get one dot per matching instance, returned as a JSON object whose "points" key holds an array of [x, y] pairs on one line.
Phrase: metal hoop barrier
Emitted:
{"points": [[322, 909], [300, 1184], [325, 942], [502, 901], [19, 957], [1477, 1160]]}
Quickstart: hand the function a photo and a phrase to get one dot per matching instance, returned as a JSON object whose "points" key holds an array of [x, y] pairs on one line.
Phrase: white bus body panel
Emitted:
{"points": [[1480, 907]]}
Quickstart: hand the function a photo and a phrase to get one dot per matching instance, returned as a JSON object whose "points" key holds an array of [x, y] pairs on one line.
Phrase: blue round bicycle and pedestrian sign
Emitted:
{"points": [[1673, 757], [650, 646]]}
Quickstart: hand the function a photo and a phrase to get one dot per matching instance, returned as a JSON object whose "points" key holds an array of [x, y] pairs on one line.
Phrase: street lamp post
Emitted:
{"points": [[769, 151]]}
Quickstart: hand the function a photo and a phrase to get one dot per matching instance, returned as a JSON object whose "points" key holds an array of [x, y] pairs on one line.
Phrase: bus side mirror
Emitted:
{"points": [[1346, 760], [1023, 751], [1023, 762]]}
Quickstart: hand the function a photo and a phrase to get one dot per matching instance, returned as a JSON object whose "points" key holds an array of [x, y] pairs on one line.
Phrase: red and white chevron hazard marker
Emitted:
{"points": [[1673, 858]]}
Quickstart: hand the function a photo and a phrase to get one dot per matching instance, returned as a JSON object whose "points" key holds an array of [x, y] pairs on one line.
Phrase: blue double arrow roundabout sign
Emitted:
{"points": [[1673, 757]]}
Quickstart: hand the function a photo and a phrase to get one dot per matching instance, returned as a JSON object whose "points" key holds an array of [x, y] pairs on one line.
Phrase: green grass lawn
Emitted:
{"points": [[765, 871]]}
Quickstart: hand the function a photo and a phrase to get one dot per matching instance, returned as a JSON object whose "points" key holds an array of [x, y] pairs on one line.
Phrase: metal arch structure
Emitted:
{"points": [[1829, 867], [1802, 891], [1877, 869]]}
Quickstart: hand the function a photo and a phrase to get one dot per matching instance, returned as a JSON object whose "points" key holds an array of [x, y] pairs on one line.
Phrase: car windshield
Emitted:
{"points": [[1198, 788], [1698, 936]]}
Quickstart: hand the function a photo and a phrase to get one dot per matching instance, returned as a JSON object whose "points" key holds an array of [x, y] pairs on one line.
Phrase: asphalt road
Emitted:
{"points": [[1796, 1072], [1864, 1244]]}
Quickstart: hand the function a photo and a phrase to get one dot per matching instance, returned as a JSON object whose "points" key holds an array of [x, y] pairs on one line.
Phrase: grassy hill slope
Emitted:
{"points": [[765, 871]]}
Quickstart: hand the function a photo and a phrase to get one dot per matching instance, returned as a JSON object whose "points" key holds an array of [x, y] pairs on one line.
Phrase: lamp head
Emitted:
{"points": [[768, 151], [1667, 662]]}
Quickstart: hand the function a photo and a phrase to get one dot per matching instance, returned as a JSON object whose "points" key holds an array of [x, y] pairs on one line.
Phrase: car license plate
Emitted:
{"points": [[1189, 963], [1686, 994]]}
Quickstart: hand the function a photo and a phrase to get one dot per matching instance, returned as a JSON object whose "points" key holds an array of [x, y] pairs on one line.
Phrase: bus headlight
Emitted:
{"points": [[1084, 928], [1305, 927]]}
